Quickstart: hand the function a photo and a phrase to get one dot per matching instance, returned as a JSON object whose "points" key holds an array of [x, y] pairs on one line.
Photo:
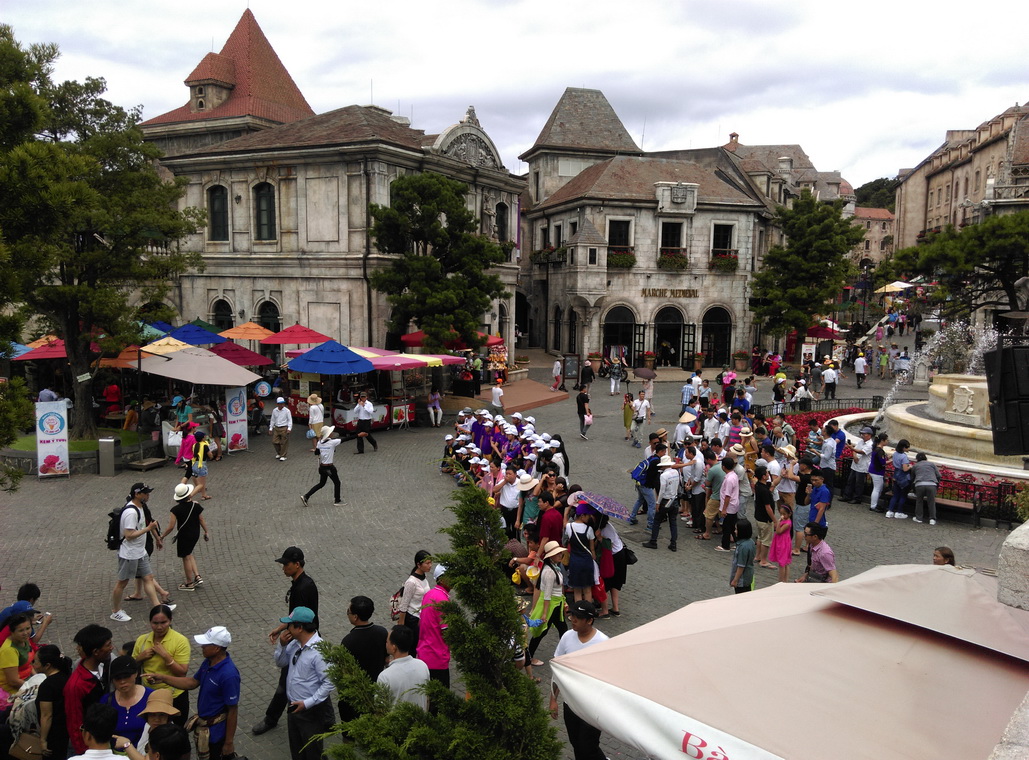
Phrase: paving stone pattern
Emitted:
{"points": [[396, 503]]}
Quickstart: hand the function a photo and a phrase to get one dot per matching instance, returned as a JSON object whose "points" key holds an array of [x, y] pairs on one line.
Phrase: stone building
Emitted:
{"points": [[287, 194], [973, 174], [877, 224], [647, 251]]}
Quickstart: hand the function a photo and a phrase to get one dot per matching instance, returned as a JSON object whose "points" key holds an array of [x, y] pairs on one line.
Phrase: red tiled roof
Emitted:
{"points": [[263, 87], [630, 178], [864, 212], [344, 126]]}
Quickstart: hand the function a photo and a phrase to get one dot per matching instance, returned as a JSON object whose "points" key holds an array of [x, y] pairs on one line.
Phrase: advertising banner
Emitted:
{"points": [[52, 438], [236, 419]]}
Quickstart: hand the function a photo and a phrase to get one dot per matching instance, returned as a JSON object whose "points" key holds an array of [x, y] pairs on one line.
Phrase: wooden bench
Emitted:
{"points": [[975, 506]]}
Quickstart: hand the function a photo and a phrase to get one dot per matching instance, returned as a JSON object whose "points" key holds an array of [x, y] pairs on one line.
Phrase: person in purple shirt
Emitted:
{"points": [[729, 502]]}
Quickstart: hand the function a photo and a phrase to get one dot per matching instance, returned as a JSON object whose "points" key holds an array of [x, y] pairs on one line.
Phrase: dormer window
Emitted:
{"points": [[200, 91], [200, 104]]}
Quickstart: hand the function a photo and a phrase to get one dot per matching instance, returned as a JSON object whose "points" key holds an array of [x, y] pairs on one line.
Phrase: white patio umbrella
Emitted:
{"points": [[197, 366], [882, 660]]}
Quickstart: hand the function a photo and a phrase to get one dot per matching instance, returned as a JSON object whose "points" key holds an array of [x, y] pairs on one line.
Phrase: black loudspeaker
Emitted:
{"points": [[1007, 380]]}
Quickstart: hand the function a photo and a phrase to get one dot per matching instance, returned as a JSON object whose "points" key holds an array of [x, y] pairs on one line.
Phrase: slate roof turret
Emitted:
{"points": [[584, 121]]}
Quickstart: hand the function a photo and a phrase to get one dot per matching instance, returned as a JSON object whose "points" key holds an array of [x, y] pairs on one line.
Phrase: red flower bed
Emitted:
{"points": [[799, 422]]}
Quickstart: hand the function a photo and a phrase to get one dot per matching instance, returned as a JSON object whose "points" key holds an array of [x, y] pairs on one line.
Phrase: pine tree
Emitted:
{"points": [[502, 716]]}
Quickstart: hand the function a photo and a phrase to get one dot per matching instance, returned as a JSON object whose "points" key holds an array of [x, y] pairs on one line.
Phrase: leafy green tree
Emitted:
{"points": [[15, 416], [798, 280], [879, 193], [90, 227], [503, 717], [440, 275], [976, 267]]}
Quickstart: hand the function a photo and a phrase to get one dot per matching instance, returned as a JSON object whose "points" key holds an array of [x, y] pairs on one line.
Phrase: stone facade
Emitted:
{"points": [[288, 204], [640, 252], [974, 173], [877, 224]]}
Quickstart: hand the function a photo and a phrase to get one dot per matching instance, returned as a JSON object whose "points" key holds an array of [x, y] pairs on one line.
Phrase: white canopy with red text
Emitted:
{"points": [[902, 661]]}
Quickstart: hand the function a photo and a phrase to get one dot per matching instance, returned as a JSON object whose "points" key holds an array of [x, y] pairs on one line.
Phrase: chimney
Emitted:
{"points": [[786, 168], [734, 141]]}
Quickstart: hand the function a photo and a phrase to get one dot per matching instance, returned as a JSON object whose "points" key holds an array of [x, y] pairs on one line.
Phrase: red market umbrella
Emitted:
{"points": [[822, 332], [246, 331], [417, 338], [51, 350], [297, 334], [237, 354]]}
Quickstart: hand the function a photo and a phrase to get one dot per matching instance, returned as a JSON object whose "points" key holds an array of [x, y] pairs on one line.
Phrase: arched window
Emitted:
{"points": [[501, 218], [221, 314], [200, 104], [264, 211], [218, 213]]}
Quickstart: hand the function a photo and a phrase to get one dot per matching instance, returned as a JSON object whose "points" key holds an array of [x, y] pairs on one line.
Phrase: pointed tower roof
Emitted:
{"points": [[258, 82], [583, 121]]}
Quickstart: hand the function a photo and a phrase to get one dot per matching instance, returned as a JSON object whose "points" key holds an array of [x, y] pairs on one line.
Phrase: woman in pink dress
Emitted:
{"points": [[780, 552]]}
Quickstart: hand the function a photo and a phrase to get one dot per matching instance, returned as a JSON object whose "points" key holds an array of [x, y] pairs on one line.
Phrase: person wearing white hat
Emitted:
{"points": [[667, 506], [326, 449], [188, 516], [315, 417], [218, 680], [280, 425]]}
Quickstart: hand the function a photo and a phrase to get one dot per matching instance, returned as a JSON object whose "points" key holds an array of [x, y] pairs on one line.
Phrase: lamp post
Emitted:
{"points": [[865, 286]]}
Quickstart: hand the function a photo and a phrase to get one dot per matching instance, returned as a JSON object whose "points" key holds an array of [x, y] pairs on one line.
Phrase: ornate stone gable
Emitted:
{"points": [[468, 142]]}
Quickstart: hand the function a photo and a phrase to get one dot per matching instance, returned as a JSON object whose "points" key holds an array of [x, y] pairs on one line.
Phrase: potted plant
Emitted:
{"points": [[521, 360], [698, 360], [741, 358], [649, 359]]}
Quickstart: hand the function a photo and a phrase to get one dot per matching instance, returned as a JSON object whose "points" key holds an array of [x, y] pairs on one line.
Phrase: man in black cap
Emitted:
{"points": [[132, 556], [584, 738], [302, 593]]}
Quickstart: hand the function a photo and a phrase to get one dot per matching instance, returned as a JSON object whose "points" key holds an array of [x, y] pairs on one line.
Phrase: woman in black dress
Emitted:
{"points": [[53, 725], [189, 516]]}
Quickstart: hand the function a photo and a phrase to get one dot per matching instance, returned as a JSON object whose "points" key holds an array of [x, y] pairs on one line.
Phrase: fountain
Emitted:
{"points": [[955, 422]]}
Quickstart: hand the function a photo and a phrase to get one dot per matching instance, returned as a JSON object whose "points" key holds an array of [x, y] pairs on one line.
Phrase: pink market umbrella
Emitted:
{"points": [[295, 335], [50, 350], [416, 339], [237, 354]]}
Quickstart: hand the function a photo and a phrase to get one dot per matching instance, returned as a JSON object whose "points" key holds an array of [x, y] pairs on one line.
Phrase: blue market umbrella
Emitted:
{"points": [[195, 336], [17, 349], [331, 358], [164, 327]]}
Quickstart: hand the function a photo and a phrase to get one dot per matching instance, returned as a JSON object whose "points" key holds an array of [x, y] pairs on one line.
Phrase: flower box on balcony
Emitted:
{"points": [[620, 259], [724, 263], [673, 259]]}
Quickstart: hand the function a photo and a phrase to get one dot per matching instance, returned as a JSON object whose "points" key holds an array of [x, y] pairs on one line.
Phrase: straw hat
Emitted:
{"points": [[746, 433], [688, 416], [790, 451], [160, 701], [552, 548], [314, 398], [183, 491], [527, 482], [665, 461], [662, 433], [327, 431], [736, 450]]}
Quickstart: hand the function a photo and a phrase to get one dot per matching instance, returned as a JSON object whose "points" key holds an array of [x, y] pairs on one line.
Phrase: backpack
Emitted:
{"points": [[394, 604], [639, 472], [114, 536]]}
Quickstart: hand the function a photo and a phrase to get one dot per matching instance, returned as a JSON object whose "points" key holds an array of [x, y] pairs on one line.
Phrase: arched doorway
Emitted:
{"points": [[268, 318], [670, 338], [622, 336], [221, 315], [716, 337], [556, 342]]}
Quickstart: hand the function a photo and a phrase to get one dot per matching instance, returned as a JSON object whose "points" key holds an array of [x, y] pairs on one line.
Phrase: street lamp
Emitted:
{"points": [[865, 287]]}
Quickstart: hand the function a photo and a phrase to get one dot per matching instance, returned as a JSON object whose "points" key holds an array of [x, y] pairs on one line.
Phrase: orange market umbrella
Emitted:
{"points": [[43, 341], [128, 358], [246, 331], [297, 334]]}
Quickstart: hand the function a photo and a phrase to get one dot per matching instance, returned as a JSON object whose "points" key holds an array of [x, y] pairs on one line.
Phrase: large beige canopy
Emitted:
{"points": [[198, 366], [906, 661]]}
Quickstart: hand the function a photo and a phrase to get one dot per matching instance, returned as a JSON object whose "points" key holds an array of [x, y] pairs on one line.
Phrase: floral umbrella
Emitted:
{"points": [[605, 504]]}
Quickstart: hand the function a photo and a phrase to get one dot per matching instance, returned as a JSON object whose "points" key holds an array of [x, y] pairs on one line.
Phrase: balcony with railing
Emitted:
{"points": [[724, 260], [621, 257], [673, 259]]}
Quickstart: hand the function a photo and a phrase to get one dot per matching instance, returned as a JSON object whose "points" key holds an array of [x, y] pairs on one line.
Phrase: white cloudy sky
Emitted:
{"points": [[864, 87]]}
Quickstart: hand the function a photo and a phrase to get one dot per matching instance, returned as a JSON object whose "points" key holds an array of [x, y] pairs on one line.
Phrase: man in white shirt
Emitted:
{"points": [[710, 425], [854, 489], [280, 425], [584, 738], [829, 379], [667, 506], [132, 556], [98, 726], [860, 369], [640, 414], [498, 396], [365, 414], [506, 493], [404, 675], [326, 448]]}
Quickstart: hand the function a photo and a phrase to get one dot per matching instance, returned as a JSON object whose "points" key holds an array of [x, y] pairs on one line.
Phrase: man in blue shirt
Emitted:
{"points": [[218, 700], [687, 394], [819, 499], [310, 712]]}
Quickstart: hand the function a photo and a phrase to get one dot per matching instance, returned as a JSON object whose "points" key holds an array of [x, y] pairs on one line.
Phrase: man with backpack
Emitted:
{"points": [[647, 476], [131, 544]]}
